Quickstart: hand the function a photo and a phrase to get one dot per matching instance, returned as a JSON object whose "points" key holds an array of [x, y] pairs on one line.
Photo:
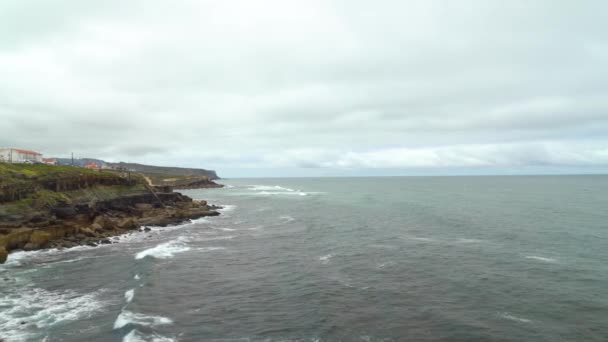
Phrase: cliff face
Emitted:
{"points": [[45, 206], [147, 169], [181, 182], [166, 170]]}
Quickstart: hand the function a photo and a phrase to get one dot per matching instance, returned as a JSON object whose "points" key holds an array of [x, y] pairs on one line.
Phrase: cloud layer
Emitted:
{"points": [[314, 84]]}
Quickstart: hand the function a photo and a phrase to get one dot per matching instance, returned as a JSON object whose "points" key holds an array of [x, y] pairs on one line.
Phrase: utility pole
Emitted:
{"points": [[72, 158]]}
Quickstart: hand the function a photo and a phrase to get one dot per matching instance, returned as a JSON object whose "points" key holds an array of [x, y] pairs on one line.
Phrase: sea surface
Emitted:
{"points": [[336, 259]]}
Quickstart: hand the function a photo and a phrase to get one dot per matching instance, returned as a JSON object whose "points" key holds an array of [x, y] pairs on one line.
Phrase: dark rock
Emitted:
{"points": [[31, 246], [105, 241], [92, 244], [64, 212], [3, 255], [147, 229]]}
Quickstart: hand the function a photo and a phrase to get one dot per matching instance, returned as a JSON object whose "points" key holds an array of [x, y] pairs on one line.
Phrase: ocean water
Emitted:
{"points": [[337, 259]]}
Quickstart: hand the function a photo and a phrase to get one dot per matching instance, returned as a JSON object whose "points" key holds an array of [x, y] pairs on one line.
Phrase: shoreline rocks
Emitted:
{"points": [[93, 224]]}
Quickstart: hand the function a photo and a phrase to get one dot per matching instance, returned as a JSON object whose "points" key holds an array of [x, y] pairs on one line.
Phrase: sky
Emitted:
{"points": [[310, 88]]}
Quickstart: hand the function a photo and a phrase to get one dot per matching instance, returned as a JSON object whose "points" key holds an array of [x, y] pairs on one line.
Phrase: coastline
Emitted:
{"points": [[93, 229], [69, 207]]}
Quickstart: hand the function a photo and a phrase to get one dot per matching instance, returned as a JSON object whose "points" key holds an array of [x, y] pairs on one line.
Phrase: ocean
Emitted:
{"points": [[336, 259]]}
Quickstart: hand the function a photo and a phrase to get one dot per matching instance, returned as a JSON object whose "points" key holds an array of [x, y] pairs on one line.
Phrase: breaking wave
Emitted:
{"points": [[129, 295], [539, 258], [164, 250], [510, 317], [127, 317], [27, 314], [271, 188], [136, 336], [209, 249], [325, 258]]}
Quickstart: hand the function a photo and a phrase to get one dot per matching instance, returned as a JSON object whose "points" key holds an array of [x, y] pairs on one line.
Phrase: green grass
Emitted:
{"points": [[18, 173], [172, 179], [31, 179]]}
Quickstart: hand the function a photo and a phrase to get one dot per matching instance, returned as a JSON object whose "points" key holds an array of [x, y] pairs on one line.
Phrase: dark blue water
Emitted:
{"points": [[351, 259]]}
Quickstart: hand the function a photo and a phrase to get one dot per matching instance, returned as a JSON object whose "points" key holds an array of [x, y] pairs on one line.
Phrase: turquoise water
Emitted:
{"points": [[344, 259]]}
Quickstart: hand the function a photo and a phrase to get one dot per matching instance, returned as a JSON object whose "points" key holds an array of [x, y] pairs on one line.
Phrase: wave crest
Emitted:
{"points": [[164, 250]]}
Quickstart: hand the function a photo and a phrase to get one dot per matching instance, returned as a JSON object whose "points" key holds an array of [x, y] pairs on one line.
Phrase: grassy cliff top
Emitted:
{"points": [[26, 187], [16, 173]]}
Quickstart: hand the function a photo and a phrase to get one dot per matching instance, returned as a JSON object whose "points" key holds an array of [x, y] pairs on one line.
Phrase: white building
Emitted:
{"points": [[16, 155]]}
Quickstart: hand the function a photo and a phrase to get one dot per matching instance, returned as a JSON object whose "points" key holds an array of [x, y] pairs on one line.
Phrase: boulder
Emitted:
{"points": [[143, 206], [31, 247], [127, 223], [3, 255], [96, 227], [104, 222], [65, 212], [38, 239], [88, 232]]}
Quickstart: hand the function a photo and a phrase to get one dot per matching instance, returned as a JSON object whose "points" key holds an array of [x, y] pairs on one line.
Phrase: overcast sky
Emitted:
{"points": [[266, 88]]}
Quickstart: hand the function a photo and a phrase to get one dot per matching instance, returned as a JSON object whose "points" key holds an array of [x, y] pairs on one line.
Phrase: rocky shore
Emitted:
{"points": [[89, 213]]}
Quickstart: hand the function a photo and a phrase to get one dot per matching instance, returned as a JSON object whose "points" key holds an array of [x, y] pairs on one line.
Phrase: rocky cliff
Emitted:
{"points": [[43, 206], [166, 170]]}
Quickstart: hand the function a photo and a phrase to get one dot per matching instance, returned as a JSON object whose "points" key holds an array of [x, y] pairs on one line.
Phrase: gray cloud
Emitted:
{"points": [[316, 84]]}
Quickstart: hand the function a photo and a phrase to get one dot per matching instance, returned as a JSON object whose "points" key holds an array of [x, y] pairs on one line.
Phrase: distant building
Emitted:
{"points": [[49, 161], [16, 155], [92, 165]]}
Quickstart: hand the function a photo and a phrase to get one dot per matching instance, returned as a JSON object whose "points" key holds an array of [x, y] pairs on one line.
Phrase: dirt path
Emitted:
{"points": [[147, 180]]}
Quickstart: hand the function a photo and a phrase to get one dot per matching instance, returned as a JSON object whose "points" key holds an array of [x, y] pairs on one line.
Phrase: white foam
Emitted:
{"points": [[226, 229], [42, 309], [136, 277], [386, 264], [469, 240], [271, 188], [164, 250], [136, 336], [127, 317], [18, 258], [227, 208], [272, 193], [287, 218], [129, 295], [511, 317], [209, 249], [425, 239], [227, 237], [539, 258], [325, 258]]}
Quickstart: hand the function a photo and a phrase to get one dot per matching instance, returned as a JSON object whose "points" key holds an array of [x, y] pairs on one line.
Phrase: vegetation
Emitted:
{"points": [[22, 173], [26, 187]]}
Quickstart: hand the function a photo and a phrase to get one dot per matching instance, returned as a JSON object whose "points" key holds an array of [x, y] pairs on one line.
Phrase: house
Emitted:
{"points": [[49, 161], [17, 155], [92, 165]]}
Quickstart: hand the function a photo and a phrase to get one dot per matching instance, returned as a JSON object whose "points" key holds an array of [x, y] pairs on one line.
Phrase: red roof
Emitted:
{"points": [[27, 151], [91, 165]]}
